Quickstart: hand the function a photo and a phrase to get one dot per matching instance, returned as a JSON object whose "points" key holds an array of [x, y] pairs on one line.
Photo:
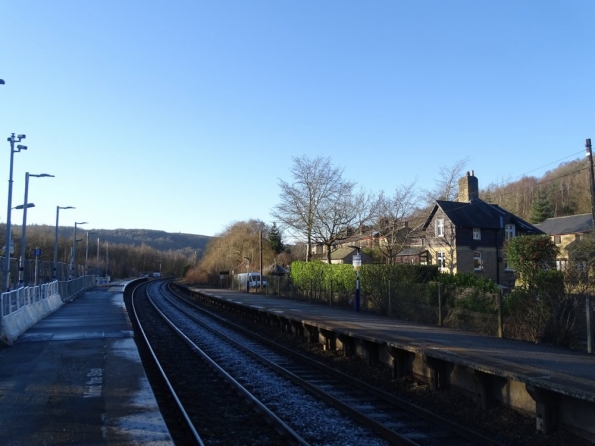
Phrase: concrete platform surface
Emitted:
{"points": [[76, 378]]}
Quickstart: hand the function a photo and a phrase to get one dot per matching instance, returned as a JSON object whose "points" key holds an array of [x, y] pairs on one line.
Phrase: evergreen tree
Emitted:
{"points": [[541, 208], [275, 239]]}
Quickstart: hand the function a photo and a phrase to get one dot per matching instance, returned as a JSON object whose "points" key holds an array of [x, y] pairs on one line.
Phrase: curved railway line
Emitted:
{"points": [[287, 398]]}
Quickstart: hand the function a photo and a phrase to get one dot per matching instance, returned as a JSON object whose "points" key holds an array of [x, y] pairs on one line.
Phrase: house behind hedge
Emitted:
{"points": [[468, 235]]}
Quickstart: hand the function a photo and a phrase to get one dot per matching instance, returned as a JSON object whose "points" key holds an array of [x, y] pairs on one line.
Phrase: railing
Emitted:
{"points": [[12, 301]]}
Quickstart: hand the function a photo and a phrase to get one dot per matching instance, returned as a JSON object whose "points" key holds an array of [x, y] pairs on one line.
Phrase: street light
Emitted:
{"points": [[12, 140], [357, 264], [56, 239], [97, 261], [22, 206], [247, 274], [74, 240], [87, 253], [24, 228]]}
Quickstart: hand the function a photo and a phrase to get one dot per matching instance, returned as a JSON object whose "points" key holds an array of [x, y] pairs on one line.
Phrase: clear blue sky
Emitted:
{"points": [[182, 115]]}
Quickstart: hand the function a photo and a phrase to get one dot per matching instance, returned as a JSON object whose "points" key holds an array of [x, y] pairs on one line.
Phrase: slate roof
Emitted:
{"points": [[342, 253], [571, 224], [479, 214], [412, 251]]}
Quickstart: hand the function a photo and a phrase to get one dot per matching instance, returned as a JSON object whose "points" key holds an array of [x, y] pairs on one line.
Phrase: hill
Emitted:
{"points": [[159, 240]]}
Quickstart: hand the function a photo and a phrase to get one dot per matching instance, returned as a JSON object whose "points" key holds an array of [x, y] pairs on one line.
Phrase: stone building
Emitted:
{"points": [[468, 235], [565, 231]]}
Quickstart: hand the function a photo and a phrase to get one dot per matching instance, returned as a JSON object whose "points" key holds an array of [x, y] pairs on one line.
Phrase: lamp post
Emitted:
{"points": [[21, 264], [56, 239], [97, 261], [589, 154], [24, 228], [357, 263], [87, 253], [74, 240], [5, 277], [247, 274]]}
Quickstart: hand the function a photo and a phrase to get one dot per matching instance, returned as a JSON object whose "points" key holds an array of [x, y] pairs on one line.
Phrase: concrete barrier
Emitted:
{"points": [[24, 307]]}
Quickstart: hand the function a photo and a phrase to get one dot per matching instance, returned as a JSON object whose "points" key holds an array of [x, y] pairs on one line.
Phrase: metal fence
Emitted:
{"points": [[462, 308], [12, 301], [36, 272]]}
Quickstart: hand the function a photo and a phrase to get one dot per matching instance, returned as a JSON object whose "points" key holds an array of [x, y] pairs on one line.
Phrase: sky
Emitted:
{"points": [[184, 115]]}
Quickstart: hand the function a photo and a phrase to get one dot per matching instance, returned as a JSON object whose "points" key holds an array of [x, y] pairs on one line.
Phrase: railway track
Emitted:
{"points": [[394, 419], [374, 416], [200, 404]]}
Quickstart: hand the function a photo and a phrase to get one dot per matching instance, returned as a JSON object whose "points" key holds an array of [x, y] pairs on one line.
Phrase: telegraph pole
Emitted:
{"points": [[591, 180]]}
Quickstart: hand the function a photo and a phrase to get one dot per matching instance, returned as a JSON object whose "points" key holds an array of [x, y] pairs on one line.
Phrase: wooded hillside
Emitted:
{"points": [[559, 192]]}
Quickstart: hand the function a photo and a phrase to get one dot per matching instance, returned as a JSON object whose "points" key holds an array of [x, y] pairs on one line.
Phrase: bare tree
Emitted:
{"points": [[391, 220], [335, 218], [447, 183], [366, 204], [314, 182]]}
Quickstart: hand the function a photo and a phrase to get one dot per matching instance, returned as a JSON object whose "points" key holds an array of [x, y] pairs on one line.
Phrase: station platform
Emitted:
{"points": [[556, 385], [76, 377]]}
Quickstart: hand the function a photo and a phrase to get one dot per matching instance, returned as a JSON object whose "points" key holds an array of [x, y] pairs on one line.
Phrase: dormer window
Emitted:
{"points": [[440, 227], [509, 232], [476, 233]]}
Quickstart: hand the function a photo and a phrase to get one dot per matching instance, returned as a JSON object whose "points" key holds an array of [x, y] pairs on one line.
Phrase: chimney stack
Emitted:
{"points": [[468, 188]]}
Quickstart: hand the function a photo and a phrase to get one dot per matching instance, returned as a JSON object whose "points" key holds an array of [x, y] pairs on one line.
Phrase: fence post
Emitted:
{"points": [[589, 336], [390, 306], [500, 325], [440, 305]]}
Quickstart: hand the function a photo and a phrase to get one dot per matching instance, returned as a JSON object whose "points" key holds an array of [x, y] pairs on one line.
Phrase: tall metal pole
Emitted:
{"points": [[56, 239], [23, 233], [87, 253], [24, 228], [5, 277], [74, 248], [592, 180], [97, 261]]}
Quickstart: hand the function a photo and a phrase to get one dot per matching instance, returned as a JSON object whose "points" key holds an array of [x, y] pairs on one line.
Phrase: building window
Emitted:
{"points": [[476, 234], [557, 239], [561, 264], [440, 227], [578, 237], [441, 261], [477, 261], [509, 232]]}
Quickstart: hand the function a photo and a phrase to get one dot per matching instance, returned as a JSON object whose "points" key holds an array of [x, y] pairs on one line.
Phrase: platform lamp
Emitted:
{"points": [[56, 239], [24, 228], [74, 240], [24, 209], [87, 253], [12, 139], [247, 274], [357, 264]]}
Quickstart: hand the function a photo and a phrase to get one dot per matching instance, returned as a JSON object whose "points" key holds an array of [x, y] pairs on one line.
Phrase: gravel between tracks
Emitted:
{"points": [[508, 426]]}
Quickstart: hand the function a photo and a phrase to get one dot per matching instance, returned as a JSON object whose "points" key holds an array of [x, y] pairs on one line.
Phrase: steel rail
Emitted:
{"points": [[281, 427], [386, 432], [163, 374]]}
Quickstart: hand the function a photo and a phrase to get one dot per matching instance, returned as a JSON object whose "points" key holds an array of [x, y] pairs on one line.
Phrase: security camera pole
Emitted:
{"points": [[12, 139]]}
